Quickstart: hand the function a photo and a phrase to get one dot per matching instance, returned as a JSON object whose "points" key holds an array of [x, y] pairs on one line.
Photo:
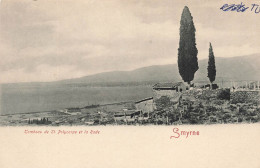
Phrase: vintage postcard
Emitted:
{"points": [[130, 83]]}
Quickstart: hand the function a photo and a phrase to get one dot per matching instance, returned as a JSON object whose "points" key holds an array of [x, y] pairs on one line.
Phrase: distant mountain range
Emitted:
{"points": [[234, 68]]}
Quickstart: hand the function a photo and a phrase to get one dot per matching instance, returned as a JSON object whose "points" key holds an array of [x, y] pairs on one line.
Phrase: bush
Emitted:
{"points": [[224, 94], [163, 102]]}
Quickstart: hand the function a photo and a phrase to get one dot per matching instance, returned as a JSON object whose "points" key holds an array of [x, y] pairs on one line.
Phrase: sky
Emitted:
{"points": [[49, 40]]}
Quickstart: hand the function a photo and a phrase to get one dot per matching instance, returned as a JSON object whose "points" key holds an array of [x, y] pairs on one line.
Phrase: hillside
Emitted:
{"points": [[235, 68]]}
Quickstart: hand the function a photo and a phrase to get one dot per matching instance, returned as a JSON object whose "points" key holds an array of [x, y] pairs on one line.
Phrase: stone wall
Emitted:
{"points": [[172, 94], [145, 106]]}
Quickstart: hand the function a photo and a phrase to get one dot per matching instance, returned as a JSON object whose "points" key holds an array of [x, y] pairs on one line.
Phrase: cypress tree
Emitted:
{"points": [[211, 65], [187, 52]]}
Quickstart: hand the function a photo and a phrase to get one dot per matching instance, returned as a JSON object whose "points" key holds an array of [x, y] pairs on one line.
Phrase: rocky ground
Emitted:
{"points": [[208, 107]]}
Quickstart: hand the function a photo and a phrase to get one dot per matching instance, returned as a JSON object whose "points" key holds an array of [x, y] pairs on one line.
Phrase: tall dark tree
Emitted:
{"points": [[211, 65], [187, 52]]}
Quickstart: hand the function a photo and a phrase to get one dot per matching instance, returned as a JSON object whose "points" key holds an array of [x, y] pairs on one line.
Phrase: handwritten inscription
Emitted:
{"points": [[240, 8], [179, 133], [255, 8]]}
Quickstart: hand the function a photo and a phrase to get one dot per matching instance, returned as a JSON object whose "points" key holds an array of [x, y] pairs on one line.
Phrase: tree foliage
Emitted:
{"points": [[187, 52], [211, 65]]}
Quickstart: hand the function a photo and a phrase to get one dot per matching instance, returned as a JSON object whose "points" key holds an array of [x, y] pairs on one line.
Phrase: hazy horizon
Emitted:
{"points": [[204, 59], [52, 40]]}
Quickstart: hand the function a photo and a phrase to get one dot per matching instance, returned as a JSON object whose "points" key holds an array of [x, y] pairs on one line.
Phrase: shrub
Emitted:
{"points": [[163, 102], [224, 94]]}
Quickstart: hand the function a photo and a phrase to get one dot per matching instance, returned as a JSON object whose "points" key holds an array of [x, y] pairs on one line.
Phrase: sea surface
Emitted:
{"points": [[22, 98]]}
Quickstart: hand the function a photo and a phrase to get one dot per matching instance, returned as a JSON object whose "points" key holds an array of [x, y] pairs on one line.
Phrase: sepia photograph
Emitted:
{"points": [[129, 83], [141, 63]]}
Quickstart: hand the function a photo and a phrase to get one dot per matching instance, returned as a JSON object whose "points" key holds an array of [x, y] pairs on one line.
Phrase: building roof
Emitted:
{"points": [[169, 85], [146, 99]]}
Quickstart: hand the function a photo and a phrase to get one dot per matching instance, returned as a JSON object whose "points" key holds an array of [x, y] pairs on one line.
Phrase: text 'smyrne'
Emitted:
{"points": [[178, 133]]}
